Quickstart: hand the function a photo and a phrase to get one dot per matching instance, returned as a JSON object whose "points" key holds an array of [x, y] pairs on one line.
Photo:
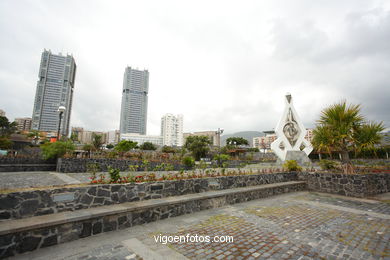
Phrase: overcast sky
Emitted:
{"points": [[224, 64]]}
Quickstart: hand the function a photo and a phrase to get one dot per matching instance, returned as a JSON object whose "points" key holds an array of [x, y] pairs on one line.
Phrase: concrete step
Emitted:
{"points": [[22, 235]]}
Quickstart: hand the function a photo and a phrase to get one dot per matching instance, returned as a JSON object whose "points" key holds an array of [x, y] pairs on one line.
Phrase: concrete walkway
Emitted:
{"points": [[291, 226]]}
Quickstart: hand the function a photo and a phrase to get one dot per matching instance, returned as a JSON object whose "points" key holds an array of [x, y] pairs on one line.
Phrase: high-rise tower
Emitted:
{"points": [[134, 108], [54, 88]]}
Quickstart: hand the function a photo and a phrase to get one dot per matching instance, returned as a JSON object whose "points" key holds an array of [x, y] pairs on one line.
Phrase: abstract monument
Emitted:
{"points": [[291, 143]]}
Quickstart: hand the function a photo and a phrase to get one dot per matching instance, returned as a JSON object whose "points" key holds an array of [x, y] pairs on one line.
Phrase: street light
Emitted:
{"points": [[61, 110]]}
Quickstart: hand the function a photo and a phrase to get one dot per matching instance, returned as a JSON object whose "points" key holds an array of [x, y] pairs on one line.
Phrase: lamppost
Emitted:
{"points": [[61, 110]]}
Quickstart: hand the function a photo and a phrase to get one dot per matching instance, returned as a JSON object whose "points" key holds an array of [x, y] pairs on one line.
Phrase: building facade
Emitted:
{"points": [[213, 135], [54, 88], [2, 112], [23, 123], [140, 139], [113, 137], [134, 107], [263, 143], [172, 130]]}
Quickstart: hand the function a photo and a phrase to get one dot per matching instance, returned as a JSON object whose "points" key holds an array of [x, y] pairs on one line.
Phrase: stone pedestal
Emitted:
{"points": [[299, 156]]}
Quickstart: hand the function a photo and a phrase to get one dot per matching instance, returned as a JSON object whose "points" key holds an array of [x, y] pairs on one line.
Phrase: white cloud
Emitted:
{"points": [[220, 63]]}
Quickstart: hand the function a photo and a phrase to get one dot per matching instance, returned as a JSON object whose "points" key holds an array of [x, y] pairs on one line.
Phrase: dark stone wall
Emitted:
{"points": [[354, 185], [41, 202], [20, 164], [80, 164], [21, 242]]}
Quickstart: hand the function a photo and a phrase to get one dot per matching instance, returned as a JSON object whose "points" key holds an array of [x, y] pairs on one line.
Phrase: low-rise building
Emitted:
{"points": [[140, 139]]}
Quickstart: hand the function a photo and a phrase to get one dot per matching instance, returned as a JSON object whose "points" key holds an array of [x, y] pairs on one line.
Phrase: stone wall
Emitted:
{"points": [[41, 202], [354, 185], [80, 164], [20, 164], [85, 225]]}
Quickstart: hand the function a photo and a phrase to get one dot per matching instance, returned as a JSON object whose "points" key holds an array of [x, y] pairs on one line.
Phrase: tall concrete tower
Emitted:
{"points": [[134, 108], [54, 88]]}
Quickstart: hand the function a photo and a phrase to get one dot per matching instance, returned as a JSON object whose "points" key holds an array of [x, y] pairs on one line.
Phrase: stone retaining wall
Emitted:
{"points": [[353, 185], [86, 225], [80, 164], [41, 202]]}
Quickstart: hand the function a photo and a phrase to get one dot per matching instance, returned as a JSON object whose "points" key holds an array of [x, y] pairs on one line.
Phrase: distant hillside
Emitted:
{"points": [[248, 135]]}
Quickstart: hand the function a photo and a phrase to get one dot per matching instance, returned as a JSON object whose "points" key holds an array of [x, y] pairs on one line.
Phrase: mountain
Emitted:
{"points": [[248, 135]]}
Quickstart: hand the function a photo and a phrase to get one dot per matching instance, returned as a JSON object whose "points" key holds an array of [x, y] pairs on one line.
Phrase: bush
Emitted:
{"points": [[188, 162], [221, 158], [114, 174], [327, 164], [57, 149], [292, 166]]}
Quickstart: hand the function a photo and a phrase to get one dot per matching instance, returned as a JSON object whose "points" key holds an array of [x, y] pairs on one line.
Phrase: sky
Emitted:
{"points": [[222, 64]]}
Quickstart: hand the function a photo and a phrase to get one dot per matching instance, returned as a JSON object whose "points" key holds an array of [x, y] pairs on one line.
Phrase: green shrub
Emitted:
{"points": [[327, 164], [93, 168], [188, 162], [292, 166], [57, 149], [114, 174]]}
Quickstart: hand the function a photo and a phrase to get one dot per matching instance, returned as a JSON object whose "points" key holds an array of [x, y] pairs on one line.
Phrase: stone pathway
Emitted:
{"points": [[292, 226]]}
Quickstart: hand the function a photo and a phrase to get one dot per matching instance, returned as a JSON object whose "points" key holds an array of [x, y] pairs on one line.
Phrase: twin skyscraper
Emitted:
{"points": [[55, 88]]}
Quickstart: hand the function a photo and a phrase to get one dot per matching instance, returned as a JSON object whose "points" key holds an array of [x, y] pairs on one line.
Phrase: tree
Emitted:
{"points": [[6, 128], [221, 158], [342, 128], [168, 149], [57, 149], [148, 146], [198, 145], [5, 143], [97, 141], [74, 137], [109, 146], [125, 146], [35, 136], [237, 141]]}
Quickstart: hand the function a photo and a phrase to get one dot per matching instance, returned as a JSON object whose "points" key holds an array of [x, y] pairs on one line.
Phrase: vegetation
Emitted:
{"points": [[93, 168], [237, 141], [125, 146], [188, 162], [6, 127], [327, 164], [35, 136], [109, 146], [114, 174], [57, 149], [292, 166], [5, 143], [198, 145], [97, 141], [341, 128], [148, 146], [168, 149], [221, 158]]}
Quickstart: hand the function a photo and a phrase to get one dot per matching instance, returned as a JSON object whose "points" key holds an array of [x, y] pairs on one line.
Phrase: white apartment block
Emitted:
{"points": [[140, 139], [172, 130]]}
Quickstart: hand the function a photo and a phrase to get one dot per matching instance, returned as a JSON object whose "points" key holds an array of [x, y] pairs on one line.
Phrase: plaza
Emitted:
{"points": [[298, 225]]}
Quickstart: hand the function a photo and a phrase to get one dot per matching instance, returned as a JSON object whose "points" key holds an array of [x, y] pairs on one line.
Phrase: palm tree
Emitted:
{"points": [[342, 128]]}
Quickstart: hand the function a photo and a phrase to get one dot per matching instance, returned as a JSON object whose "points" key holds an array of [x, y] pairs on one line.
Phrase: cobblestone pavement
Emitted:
{"points": [[291, 226]]}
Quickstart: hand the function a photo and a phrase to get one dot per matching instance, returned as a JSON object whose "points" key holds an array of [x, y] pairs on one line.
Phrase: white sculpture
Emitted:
{"points": [[290, 132]]}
